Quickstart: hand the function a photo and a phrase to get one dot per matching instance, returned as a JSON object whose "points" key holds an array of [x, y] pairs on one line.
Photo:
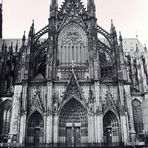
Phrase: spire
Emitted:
{"points": [[32, 30], [1, 20], [53, 8], [23, 39], [113, 30], [137, 48], [11, 48], [145, 48], [91, 8], [32, 23], [3, 45], [16, 47], [120, 38]]}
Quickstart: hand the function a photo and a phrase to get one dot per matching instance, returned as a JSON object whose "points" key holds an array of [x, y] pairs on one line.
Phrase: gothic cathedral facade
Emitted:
{"points": [[72, 88]]}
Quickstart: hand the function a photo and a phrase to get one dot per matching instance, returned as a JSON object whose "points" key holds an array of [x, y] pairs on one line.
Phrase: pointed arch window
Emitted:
{"points": [[6, 121], [72, 46], [35, 131], [138, 116], [5, 118]]}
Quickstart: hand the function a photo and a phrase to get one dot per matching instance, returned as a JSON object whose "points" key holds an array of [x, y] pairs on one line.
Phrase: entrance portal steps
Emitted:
{"points": [[97, 147], [85, 147], [9, 145]]}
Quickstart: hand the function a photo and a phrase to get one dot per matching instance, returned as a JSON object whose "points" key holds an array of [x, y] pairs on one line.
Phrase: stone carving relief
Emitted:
{"points": [[55, 103], [72, 37], [91, 100], [71, 9], [124, 108], [37, 102], [73, 88], [109, 102], [99, 107]]}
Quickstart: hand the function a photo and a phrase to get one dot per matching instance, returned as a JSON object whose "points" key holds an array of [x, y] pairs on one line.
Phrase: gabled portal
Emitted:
{"points": [[73, 124], [111, 129], [35, 130], [73, 88]]}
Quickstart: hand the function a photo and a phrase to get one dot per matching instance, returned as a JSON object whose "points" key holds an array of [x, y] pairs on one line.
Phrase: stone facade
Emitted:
{"points": [[73, 88]]}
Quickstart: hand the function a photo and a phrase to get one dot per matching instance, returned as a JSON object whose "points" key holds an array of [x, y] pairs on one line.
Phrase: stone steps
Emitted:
{"points": [[10, 146], [97, 147]]}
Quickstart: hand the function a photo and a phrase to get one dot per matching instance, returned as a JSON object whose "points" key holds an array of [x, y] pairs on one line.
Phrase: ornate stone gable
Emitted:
{"points": [[73, 88], [109, 102], [68, 5], [39, 78], [72, 11], [37, 103]]}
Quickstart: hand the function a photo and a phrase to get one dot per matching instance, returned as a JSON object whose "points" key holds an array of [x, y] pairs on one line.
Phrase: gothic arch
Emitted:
{"points": [[5, 119], [111, 128], [35, 129], [35, 110], [73, 117], [113, 110], [5, 102], [71, 98], [72, 45]]}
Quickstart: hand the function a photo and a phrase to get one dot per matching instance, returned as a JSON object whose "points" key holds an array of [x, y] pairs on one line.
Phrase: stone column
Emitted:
{"points": [[96, 129], [145, 111], [124, 132], [22, 128], [124, 129], [45, 129], [55, 129], [100, 129], [49, 124], [15, 110], [131, 121], [90, 129], [91, 71], [49, 129], [23, 114], [99, 115]]}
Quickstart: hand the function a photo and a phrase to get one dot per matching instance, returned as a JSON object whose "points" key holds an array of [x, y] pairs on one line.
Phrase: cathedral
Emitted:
{"points": [[73, 88]]}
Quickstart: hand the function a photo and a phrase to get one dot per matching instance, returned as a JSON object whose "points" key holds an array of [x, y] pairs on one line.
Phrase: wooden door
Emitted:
{"points": [[109, 136], [77, 137], [69, 137], [36, 137]]}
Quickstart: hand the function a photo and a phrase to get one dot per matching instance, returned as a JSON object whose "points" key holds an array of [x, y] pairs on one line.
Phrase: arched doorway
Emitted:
{"points": [[5, 118], [35, 130], [73, 124], [111, 129]]}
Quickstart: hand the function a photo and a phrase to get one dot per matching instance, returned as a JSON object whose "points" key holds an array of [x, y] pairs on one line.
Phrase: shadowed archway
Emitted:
{"points": [[35, 129], [111, 129], [73, 124], [5, 118]]}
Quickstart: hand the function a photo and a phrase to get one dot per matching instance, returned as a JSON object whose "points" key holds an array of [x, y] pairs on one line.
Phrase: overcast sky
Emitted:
{"points": [[130, 16]]}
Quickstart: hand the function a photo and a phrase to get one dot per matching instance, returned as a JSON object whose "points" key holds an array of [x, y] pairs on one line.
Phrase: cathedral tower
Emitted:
{"points": [[71, 88]]}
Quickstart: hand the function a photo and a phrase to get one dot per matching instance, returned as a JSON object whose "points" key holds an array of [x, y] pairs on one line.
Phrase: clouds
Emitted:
{"points": [[130, 16]]}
